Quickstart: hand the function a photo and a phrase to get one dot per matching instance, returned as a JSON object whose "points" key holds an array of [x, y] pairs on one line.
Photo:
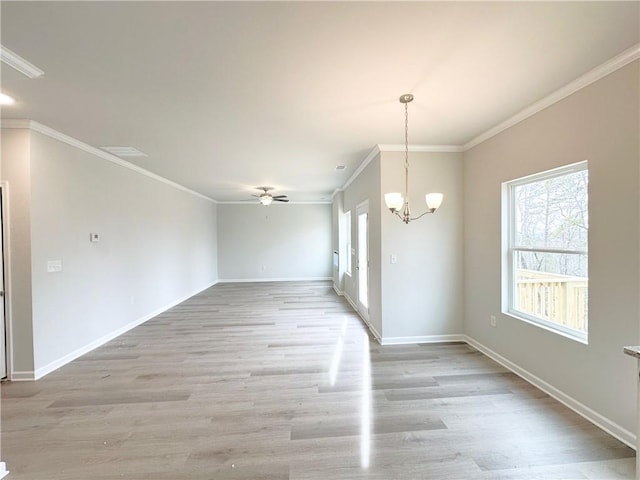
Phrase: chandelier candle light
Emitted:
{"points": [[395, 202]]}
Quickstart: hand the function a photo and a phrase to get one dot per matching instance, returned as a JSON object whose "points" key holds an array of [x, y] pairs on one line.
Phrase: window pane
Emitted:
{"points": [[552, 213], [552, 286]]}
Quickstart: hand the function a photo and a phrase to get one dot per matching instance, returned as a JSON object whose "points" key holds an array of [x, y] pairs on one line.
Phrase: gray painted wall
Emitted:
{"points": [[157, 246], [16, 175], [280, 241], [419, 298], [598, 123], [422, 293]]}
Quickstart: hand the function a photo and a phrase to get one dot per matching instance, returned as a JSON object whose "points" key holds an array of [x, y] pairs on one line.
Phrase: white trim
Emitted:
{"points": [[61, 137], [338, 291], [362, 208], [288, 279], [23, 376], [613, 429], [422, 148], [20, 64], [601, 71], [368, 324], [581, 82], [42, 371], [353, 305], [422, 339], [335, 192], [3, 470], [367, 160], [510, 250], [8, 325]]}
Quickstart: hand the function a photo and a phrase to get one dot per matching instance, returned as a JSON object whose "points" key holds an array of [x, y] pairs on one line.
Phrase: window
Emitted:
{"points": [[545, 278], [347, 236]]}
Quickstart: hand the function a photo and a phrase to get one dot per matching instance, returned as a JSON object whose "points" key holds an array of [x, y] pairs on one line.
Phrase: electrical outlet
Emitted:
{"points": [[393, 258], [492, 321]]}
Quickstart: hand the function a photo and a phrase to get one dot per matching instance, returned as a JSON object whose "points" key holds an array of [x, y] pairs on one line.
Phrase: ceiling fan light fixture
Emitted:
{"points": [[266, 199]]}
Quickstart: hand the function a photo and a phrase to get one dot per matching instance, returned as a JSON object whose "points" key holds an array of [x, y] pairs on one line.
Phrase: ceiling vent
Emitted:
{"points": [[124, 151], [340, 167]]}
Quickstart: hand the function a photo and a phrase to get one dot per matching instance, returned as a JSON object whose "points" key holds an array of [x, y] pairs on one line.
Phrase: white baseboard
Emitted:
{"points": [[50, 367], [422, 339], [3, 470], [22, 376], [338, 291], [373, 330], [369, 325], [288, 279], [613, 429]]}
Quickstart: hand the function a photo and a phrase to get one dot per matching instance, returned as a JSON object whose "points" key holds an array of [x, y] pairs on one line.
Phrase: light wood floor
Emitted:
{"points": [[282, 381]]}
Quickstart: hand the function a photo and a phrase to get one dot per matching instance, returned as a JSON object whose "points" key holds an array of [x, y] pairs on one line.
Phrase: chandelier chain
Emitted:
{"points": [[406, 134], [406, 153]]}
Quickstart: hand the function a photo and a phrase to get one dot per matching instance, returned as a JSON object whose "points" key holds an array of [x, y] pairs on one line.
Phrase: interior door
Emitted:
{"points": [[363, 258]]}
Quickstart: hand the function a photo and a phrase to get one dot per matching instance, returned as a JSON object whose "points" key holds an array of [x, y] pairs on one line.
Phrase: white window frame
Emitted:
{"points": [[347, 237], [510, 249]]}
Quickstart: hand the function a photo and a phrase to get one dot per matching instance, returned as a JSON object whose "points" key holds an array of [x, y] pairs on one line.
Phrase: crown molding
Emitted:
{"points": [[621, 60], [20, 64], [61, 137], [610, 66], [372, 154], [397, 148]]}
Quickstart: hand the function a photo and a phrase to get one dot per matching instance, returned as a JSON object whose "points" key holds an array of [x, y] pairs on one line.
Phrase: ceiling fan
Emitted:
{"points": [[266, 198]]}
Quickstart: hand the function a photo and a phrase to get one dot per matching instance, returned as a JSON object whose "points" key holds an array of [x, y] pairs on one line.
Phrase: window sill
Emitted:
{"points": [[550, 327]]}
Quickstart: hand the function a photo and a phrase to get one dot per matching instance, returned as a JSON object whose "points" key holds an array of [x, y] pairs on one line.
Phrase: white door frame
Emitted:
{"points": [[362, 208], [6, 266]]}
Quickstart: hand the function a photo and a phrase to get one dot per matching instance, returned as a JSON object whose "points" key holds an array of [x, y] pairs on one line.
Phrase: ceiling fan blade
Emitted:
{"points": [[280, 199], [255, 195], [279, 196]]}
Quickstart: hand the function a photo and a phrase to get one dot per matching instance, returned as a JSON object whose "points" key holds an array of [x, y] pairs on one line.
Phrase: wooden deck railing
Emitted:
{"points": [[560, 299]]}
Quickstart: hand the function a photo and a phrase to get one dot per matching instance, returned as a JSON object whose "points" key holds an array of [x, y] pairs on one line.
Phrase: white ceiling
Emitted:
{"points": [[227, 96]]}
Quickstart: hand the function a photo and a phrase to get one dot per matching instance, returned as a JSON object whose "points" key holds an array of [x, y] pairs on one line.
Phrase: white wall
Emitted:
{"points": [[598, 123], [275, 242], [157, 246], [422, 293]]}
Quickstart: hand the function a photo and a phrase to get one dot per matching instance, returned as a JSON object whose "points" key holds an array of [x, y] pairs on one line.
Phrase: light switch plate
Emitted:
{"points": [[54, 266]]}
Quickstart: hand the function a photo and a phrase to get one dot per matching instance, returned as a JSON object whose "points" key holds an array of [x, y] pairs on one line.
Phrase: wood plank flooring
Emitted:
{"points": [[282, 381]]}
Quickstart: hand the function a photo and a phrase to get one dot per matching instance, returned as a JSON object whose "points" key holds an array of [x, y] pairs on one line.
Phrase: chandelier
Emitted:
{"points": [[396, 203]]}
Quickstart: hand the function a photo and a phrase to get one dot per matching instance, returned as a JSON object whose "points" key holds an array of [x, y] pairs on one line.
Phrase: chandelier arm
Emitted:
{"points": [[422, 214]]}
